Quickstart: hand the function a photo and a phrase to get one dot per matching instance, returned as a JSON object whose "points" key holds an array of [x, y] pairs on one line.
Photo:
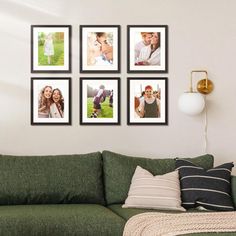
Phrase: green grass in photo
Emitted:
{"points": [[57, 59], [106, 110]]}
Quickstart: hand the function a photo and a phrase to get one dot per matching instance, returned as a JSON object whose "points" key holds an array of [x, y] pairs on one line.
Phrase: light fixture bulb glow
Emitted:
{"points": [[191, 103]]}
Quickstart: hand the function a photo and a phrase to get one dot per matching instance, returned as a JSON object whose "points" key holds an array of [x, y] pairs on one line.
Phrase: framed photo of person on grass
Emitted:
{"points": [[50, 101], [99, 101], [100, 49], [147, 101], [50, 48]]}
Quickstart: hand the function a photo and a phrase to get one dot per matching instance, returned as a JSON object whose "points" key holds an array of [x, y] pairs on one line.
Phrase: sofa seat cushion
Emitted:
{"points": [[51, 179], [59, 220], [127, 213], [119, 170]]}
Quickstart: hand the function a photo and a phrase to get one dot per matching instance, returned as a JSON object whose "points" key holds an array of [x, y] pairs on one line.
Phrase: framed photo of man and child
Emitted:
{"points": [[50, 101], [99, 101], [50, 48], [147, 101], [147, 48], [99, 48]]}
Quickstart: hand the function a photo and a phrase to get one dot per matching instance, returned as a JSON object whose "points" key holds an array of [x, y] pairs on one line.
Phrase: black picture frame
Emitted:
{"points": [[136, 100], [97, 107], [51, 48], [103, 60], [47, 109], [140, 57]]}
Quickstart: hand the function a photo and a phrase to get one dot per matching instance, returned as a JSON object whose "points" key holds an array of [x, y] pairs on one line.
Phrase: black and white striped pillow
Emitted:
{"points": [[210, 189]]}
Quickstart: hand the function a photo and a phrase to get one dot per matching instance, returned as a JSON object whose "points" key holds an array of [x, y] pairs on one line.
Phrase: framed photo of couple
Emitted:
{"points": [[99, 48], [147, 48], [50, 48], [147, 102], [100, 101], [50, 101]]}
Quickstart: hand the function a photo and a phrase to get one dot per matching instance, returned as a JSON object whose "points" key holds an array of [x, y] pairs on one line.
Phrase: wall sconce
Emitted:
{"points": [[193, 102]]}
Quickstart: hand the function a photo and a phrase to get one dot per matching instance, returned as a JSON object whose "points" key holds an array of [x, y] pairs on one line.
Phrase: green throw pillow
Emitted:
{"points": [[119, 169], [51, 179]]}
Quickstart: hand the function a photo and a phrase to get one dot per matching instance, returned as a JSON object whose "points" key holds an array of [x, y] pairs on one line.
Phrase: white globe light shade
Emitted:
{"points": [[191, 103]]}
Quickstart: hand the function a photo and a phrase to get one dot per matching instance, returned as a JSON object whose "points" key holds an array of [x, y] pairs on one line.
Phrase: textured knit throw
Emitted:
{"points": [[171, 224]]}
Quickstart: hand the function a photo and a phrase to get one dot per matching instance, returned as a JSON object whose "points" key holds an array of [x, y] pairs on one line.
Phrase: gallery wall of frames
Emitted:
{"points": [[100, 47]]}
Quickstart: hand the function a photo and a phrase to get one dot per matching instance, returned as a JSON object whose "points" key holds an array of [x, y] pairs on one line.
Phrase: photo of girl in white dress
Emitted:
{"points": [[49, 47]]}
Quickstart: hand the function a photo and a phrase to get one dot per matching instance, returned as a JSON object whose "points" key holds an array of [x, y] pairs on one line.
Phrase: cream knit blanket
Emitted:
{"points": [[171, 224]]}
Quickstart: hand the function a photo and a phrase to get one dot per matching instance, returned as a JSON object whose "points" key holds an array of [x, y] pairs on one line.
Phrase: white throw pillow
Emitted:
{"points": [[154, 192]]}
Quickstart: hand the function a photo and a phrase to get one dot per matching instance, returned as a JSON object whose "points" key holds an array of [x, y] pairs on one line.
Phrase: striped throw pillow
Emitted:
{"points": [[210, 189], [154, 192]]}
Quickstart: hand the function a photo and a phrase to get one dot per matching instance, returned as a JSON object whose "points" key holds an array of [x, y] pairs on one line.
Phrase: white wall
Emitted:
{"points": [[202, 35]]}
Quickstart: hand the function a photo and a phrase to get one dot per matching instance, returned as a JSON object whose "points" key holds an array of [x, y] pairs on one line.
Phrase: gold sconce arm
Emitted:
{"points": [[204, 86]]}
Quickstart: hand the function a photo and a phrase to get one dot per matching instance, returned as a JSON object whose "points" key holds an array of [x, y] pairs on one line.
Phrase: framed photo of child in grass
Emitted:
{"points": [[100, 101], [99, 48], [50, 101], [147, 101], [50, 48], [147, 48]]}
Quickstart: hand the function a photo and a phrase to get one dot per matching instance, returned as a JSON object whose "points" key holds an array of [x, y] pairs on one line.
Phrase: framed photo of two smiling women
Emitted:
{"points": [[51, 101]]}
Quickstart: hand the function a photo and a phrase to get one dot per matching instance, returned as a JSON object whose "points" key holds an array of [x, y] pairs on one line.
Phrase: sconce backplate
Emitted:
{"points": [[205, 86]]}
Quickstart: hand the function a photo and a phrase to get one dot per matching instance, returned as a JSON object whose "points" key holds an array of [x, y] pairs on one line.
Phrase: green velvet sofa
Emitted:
{"points": [[74, 194]]}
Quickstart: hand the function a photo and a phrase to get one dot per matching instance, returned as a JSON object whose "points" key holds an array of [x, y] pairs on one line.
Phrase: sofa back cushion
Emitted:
{"points": [[51, 179], [119, 169], [233, 184]]}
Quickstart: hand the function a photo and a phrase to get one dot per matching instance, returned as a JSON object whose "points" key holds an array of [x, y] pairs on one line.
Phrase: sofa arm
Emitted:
{"points": [[233, 184]]}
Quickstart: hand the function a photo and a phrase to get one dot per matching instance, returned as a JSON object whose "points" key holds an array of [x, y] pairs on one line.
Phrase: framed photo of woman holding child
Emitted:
{"points": [[99, 48], [147, 101], [50, 48], [147, 48], [99, 101], [50, 101]]}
